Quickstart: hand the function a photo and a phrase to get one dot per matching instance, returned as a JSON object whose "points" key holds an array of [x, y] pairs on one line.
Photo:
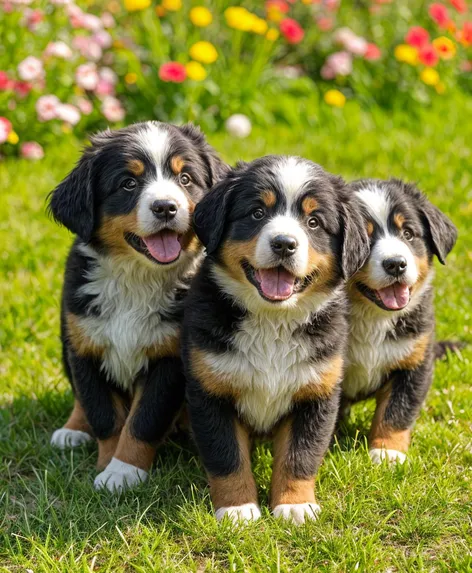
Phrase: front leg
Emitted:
{"points": [[156, 404], [398, 405], [300, 444], [225, 448]]}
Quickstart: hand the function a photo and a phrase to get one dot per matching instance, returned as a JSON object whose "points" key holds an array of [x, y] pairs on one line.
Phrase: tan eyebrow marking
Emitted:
{"points": [[269, 198], [309, 204], [398, 219], [370, 228], [136, 167], [177, 164]]}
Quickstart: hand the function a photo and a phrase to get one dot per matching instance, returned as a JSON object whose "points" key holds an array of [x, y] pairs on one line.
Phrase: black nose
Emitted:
{"points": [[284, 246], [395, 266], [164, 209]]}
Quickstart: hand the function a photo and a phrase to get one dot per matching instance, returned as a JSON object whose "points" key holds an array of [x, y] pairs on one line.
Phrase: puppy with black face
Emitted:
{"points": [[130, 201], [265, 328], [391, 340]]}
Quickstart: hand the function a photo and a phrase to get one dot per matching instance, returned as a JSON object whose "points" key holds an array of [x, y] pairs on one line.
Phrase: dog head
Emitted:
{"points": [[405, 231], [279, 229], [134, 190]]}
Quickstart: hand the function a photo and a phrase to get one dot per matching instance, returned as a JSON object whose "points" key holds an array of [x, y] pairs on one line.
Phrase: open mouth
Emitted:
{"points": [[393, 297], [163, 247], [276, 284]]}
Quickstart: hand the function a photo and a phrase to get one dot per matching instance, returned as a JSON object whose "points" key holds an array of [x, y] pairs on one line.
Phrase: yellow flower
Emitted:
{"points": [[204, 52], [239, 18], [13, 138], [272, 35], [200, 16], [136, 5], [195, 71], [172, 5], [440, 88], [407, 54], [444, 47], [259, 26], [131, 78], [335, 98], [274, 15], [430, 77]]}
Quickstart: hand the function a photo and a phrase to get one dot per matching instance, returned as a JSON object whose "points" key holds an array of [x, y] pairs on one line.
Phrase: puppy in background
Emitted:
{"points": [[130, 201], [391, 341], [265, 328]]}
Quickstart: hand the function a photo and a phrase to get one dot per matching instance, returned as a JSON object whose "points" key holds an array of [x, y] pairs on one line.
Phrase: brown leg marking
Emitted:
{"points": [[107, 447], [284, 487], [381, 434], [240, 487], [78, 420]]}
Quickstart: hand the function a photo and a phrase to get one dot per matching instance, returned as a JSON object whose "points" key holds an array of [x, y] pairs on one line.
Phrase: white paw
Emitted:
{"points": [[118, 476], [378, 455], [239, 513], [65, 438], [297, 512]]}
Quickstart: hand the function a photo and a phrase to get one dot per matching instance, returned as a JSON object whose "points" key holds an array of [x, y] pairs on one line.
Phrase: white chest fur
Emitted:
{"points": [[268, 365], [129, 298]]}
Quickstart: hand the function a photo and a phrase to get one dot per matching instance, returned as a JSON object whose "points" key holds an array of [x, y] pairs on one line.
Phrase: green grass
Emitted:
{"points": [[412, 518]]}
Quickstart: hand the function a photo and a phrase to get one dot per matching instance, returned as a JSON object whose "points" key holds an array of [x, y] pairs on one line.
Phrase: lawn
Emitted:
{"points": [[411, 518]]}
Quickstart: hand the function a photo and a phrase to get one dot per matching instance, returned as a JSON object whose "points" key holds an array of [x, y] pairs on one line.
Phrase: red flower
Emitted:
{"points": [[277, 5], [467, 33], [438, 13], [5, 82], [292, 31], [417, 37], [172, 72], [22, 88], [459, 5], [428, 56], [372, 53], [324, 24]]}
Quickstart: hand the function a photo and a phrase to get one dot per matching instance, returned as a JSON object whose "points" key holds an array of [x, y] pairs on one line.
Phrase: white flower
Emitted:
{"points": [[103, 39], [91, 22], [46, 107], [112, 109], [340, 63], [108, 75], [30, 69], [68, 113], [86, 76], [58, 50], [238, 125]]}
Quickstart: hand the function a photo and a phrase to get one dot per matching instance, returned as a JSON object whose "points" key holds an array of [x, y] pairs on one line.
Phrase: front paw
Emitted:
{"points": [[378, 455], [64, 438], [297, 513], [119, 476], [239, 513]]}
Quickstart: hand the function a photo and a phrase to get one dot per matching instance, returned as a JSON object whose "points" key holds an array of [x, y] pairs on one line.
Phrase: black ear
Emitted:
{"points": [[442, 232], [72, 201], [211, 212], [216, 168]]}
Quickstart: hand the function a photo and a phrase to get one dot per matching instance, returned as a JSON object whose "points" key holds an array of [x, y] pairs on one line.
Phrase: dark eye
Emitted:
{"points": [[258, 214], [408, 234], [129, 184], [313, 222], [185, 179]]}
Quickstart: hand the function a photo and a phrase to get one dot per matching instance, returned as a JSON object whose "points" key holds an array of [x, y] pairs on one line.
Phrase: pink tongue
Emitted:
{"points": [[276, 284], [163, 246], [395, 297]]}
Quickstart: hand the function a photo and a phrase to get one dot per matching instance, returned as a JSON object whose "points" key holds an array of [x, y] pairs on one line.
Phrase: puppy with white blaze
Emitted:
{"points": [[391, 340], [265, 328], [130, 201]]}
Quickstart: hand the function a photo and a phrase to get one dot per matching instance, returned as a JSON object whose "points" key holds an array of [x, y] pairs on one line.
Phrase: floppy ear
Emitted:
{"points": [[355, 241], [210, 214], [216, 168], [72, 201], [442, 232]]}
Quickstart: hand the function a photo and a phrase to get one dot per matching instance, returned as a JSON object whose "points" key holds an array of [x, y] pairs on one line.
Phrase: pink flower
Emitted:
{"points": [[357, 46], [417, 37], [340, 63], [112, 109], [103, 39], [46, 107], [467, 32], [87, 47], [438, 13], [31, 150], [466, 66], [459, 5], [68, 113], [30, 69], [327, 73], [104, 88], [428, 56], [108, 75], [172, 72], [91, 22], [107, 20], [22, 89], [332, 5], [61, 2], [32, 18], [372, 53], [5, 82], [76, 16], [324, 24], [58, 50], [291, 30], [85, 106], [5, 128], [343, 36], [86, 76]]}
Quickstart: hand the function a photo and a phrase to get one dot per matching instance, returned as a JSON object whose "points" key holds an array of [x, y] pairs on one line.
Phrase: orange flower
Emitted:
{"points": [[444, 47]]}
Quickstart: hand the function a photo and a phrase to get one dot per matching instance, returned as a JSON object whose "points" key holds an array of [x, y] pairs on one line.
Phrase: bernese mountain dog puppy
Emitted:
{"points": [[265, 328], [391, 341], [130, 201]]}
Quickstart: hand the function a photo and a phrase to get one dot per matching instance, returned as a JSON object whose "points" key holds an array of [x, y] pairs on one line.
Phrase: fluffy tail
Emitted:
{"points": [[442, 346]]}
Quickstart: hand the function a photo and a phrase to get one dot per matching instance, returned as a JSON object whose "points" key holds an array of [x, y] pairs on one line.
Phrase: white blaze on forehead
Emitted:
{"points": [[154, 140], [293, 174], [377, 203]]}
